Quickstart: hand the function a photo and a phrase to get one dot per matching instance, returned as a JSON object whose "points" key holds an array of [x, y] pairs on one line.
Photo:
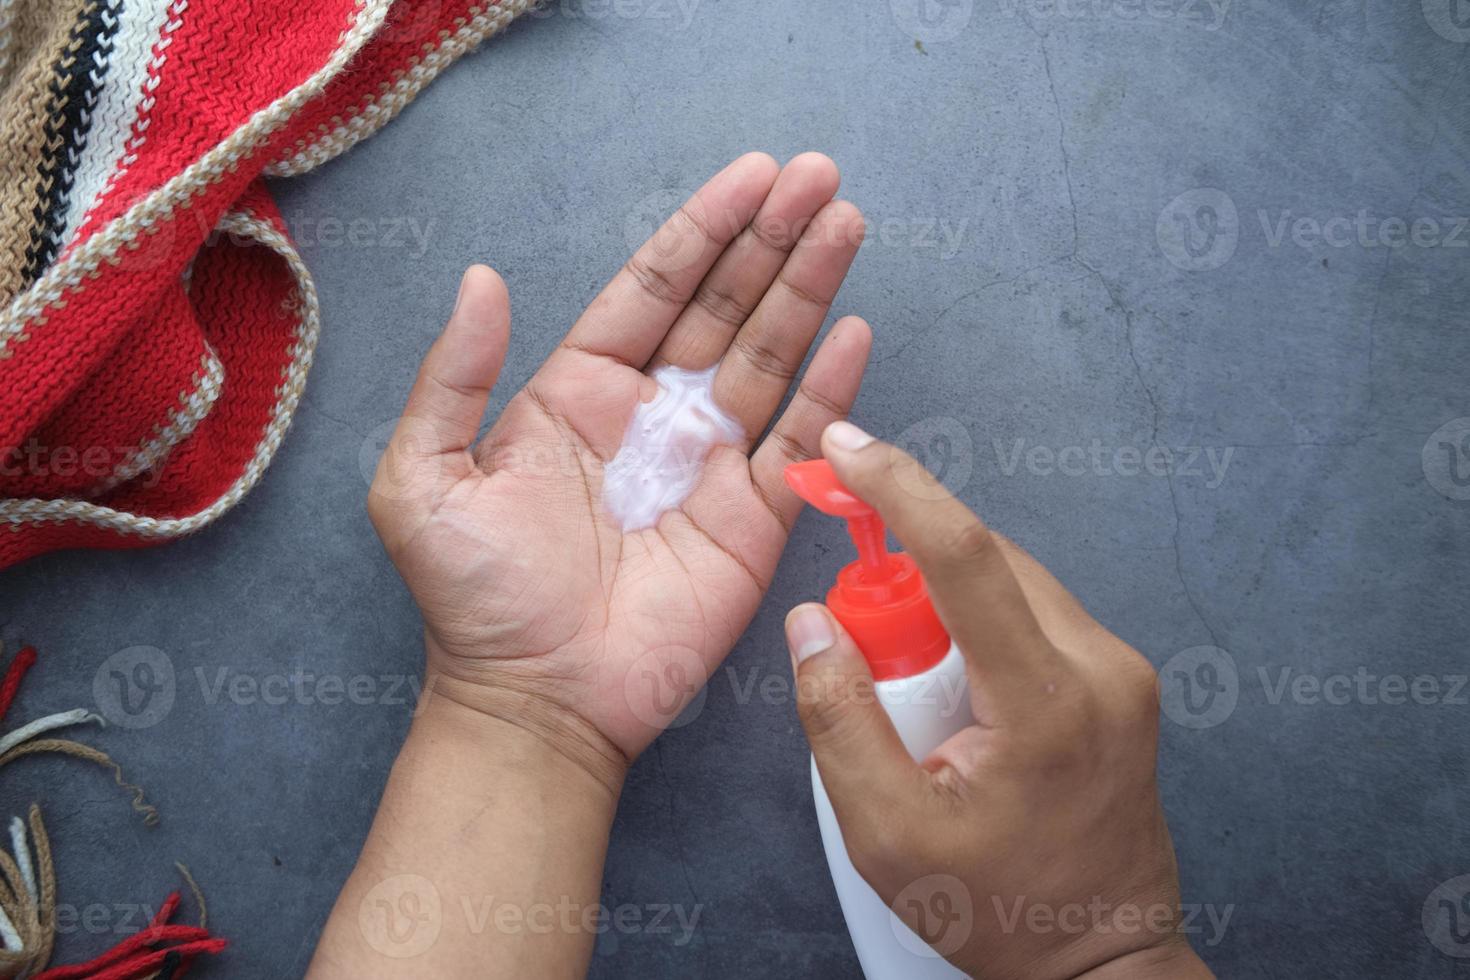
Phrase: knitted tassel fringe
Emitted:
{"points": [[28, 874]]}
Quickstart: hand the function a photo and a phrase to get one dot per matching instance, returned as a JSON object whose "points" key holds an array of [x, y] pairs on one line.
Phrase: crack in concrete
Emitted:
{"points": [[306, 400], [1115, 297], [969, 294]]}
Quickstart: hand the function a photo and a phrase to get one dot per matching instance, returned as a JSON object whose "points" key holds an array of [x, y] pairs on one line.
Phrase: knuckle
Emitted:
{"points": [[830, 710], [875, 854], [762, 358], [1140, 690], [802, 293], [776, 233], [790, 448], [822, 401], [971, 542], [654, 281], [827, 717], [697, 217], [377, 508], [890, 850], [723, 305]]}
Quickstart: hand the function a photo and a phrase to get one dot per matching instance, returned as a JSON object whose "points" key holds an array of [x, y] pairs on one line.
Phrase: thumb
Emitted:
{"points": [[448, 400], [864, 766]]}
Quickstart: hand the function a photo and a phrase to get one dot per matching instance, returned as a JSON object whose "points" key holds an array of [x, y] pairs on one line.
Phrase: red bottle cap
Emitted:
{"points": [[881, 598]]}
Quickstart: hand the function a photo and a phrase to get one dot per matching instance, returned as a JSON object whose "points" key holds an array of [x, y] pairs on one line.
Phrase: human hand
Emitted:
{"points": [[538, 609], [1048, 802]]}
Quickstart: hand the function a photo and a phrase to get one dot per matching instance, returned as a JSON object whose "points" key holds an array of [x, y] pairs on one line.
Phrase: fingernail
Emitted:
{"points": [[809, 632], [459, 296], [847, 437]]}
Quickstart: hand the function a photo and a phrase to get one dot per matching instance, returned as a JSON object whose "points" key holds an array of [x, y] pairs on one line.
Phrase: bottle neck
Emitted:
{"points": [[890, 617]]}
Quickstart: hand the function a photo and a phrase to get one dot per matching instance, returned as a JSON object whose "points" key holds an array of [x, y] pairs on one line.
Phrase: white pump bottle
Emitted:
{"points": [[920, 680]]}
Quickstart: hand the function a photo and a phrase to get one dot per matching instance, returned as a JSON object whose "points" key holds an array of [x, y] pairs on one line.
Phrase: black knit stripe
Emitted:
{"points": [[77, 81]]}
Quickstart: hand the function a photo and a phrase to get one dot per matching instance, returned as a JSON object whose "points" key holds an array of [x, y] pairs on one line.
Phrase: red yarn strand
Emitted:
{"points": [[23, 662], [128, 947], [166, 910], [147, 963]]}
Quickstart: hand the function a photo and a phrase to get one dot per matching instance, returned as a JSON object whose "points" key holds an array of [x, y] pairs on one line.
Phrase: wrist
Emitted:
{"points": [[490, 835], [489, 726], [1167, 961]]}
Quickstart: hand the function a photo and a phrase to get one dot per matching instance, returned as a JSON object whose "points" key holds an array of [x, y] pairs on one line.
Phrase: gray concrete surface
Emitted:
{"points": [[1087, 232]]}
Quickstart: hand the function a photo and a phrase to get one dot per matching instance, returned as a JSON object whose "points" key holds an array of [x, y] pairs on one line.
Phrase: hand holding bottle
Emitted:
{"points": [[1031, 844]]}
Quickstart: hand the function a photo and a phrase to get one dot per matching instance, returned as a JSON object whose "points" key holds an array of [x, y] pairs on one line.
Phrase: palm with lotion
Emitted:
{"points": [[589, 617]]}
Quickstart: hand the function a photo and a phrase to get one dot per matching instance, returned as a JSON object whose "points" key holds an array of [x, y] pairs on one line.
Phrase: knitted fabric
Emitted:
{"points": [[157, 322]]}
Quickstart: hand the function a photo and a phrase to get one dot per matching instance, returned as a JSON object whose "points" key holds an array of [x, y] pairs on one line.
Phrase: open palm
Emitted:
{"points": [[537, 606]]}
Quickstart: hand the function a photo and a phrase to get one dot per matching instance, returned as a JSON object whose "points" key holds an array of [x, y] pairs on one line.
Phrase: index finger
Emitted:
{"points": [[976, 593]]}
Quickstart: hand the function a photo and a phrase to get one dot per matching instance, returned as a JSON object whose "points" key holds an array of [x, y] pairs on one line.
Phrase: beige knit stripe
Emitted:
{"points": [[30, 23], [39, 46], [34, 511], [484, 20], [27, 311], [194, 405], [7, 39]]}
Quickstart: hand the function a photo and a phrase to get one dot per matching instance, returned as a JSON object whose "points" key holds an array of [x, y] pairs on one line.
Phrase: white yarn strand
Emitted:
{"points": [[63, 719]]}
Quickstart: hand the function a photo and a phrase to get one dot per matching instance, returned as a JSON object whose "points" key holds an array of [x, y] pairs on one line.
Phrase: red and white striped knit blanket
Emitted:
{"points": [[150, 366]]}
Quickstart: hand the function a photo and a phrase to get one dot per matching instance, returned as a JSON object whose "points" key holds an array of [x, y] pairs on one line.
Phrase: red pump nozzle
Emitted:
{"points": [[881, 598], [816, 483]]}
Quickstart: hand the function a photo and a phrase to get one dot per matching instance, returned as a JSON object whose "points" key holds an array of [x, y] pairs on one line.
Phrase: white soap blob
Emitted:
{"points": [[665, 447]]}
